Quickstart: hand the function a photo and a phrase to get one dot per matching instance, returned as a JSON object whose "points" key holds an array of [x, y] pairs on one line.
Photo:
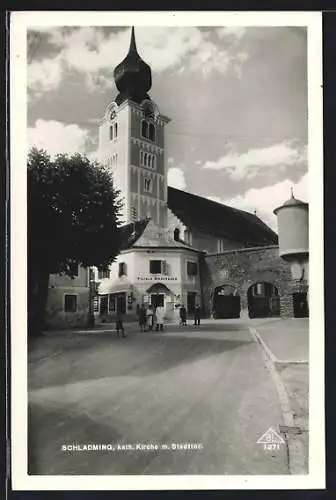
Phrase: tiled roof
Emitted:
{"points": [[220, 220], [145, 234]]}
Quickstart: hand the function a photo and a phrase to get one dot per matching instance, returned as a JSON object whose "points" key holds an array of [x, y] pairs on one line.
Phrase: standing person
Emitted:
{"points": [[150, 317], [119, 323], [142, 318], [183, 316], [160, 312], [197, 315]]}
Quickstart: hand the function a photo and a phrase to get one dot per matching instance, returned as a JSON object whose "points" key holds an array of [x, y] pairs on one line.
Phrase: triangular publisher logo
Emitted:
{"points": [[271, 437]]}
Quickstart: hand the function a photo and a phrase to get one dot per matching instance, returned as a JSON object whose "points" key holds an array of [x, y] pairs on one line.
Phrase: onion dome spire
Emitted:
{"points": [[133, 77]]}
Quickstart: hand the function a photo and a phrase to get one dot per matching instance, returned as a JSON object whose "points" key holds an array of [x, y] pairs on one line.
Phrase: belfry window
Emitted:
{"points": [[147, 185], [144, 129], [151, 132]]}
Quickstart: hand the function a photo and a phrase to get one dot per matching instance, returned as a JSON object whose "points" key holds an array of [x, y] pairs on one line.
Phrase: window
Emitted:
{"points": [[147, 160], [260, 289], [191, 269], [148, 185], [176, 234], [73, 268], [70, 303], [148, 130], [96, 304], [122, 269], [220, 246], [151, 132], [144, 129], [111, 132], [133, 214], [103, 273], [115, 130], [111, 302], [155, 266]]}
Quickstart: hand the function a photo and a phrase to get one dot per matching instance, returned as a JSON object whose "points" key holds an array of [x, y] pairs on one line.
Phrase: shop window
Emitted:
{"points": [[122, 269], [95, 304], [112, 303], [70, 303]]}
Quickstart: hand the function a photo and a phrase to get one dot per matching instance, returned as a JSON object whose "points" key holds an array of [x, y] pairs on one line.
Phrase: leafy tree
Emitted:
{"points": [[73, 216]]}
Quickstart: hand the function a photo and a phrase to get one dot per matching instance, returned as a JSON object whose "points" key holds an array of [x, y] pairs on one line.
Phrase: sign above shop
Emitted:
{"points": [[156, 278]]}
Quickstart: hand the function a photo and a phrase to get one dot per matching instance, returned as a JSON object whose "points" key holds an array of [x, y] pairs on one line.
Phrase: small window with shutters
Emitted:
{"points": [[122, 269], [155, 266], [191, 269], [70, 303]]}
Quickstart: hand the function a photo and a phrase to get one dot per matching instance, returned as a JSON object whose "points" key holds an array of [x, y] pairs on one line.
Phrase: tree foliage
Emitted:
{"points": [[73, 212], [73, 216]]}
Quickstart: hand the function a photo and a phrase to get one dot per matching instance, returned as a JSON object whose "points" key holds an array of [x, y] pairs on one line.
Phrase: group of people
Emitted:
{"points": [[152, 319], [183, 315]]}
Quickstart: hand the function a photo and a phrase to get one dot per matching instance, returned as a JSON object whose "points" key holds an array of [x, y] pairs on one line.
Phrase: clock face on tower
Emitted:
{"points": [[111, 113]]}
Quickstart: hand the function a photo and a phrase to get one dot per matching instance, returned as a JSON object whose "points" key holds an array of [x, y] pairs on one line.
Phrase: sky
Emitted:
{"points": [[237, 98]]}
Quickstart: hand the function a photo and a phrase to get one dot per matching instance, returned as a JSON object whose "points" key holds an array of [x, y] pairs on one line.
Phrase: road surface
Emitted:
{"points": [[191, 400]]}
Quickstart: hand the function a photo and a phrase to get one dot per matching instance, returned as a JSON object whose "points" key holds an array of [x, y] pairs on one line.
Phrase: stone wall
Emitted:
{"points": [[244, 267]]}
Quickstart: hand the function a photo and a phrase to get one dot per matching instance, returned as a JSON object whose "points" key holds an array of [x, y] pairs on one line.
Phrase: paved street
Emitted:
{"points": [[204, 386]]}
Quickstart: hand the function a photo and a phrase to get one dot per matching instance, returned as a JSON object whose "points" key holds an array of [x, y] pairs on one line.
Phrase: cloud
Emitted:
{"points": [[56, 137], [176, 178], [89, 51], [265, 200], [45, 75], [236, 32], [258, 160]]}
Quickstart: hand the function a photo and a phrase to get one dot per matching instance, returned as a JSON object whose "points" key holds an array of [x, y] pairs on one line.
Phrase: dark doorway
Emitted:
{"points": [[300, 305], [121, 303], [263, 300], [157, 299], [226, 302], [191, 302]]}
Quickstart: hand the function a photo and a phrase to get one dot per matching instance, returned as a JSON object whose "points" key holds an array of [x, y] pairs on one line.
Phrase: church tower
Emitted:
{"points": [[131, 142]]}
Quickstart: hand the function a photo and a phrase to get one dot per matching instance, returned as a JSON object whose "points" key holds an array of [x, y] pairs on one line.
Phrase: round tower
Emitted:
{"points": [[293, 229], [294, 248]]}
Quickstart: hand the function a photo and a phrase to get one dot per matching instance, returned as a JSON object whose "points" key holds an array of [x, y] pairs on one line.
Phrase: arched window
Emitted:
{"points": [[176, 234], [151, 134], [145, 159], [115, 130], [144, 129], [111, 132], [141, 157]]}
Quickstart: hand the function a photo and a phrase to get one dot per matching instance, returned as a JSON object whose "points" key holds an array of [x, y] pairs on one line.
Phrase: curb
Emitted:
{"points": [[294, 445]]}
